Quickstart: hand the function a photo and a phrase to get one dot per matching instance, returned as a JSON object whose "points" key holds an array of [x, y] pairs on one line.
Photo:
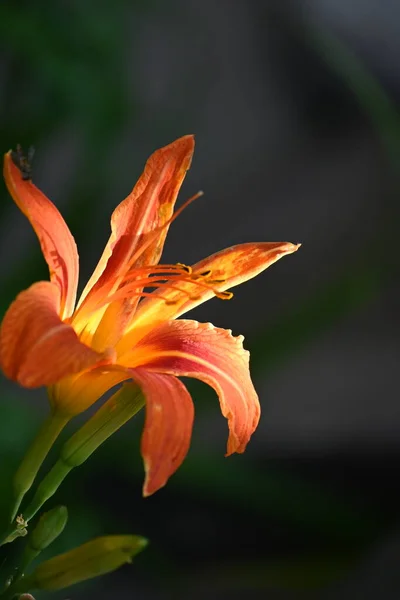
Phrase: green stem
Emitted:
{"points": [[17, 575], [35, 456], [13, 590], [47, 488], [114, 413]]}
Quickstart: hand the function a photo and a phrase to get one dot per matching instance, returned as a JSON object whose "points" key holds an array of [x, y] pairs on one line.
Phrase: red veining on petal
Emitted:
{"points": [[187, 348]]}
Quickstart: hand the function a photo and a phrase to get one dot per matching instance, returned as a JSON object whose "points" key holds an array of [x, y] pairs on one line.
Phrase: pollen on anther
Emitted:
{"points": [[186, 268], [225, 295]]}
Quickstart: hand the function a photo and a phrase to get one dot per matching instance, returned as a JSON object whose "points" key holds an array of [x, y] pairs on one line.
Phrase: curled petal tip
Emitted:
{"points": [[185, 140], [288, 247], [168, 427], [146, 489], [146, 492]]}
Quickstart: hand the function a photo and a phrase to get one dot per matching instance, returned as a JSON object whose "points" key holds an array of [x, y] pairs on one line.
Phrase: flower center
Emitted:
{"points": [[113, 303]]}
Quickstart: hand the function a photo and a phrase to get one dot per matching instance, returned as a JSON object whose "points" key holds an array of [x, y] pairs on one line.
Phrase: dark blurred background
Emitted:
{"points": [[294, 107]]}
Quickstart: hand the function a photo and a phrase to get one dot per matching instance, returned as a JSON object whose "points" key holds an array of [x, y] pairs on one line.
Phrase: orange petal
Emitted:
{"points": [[169, 414], [36, 347], [190, 349], [148, 207], [57, 244], [234, 265], [168, 427]]}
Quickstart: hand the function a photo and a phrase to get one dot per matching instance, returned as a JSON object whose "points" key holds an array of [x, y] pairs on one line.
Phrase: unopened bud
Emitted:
{"points": [[97, 557], [51, 524], [48, 528]]}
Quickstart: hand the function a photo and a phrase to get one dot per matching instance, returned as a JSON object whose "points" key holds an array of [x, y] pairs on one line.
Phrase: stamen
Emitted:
{"points": [[151, 236], [124, 293], [170, 270], [203, 284], [134, 288], [100, 298], [186, 268]]}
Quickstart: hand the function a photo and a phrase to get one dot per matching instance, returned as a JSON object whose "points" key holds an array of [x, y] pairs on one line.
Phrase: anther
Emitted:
{"points": [[224, 295], [185, 268]]}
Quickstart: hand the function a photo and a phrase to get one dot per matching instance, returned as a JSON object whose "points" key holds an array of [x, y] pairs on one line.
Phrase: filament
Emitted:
{"points": [[132, 289], [166, 277], [151, 236]]}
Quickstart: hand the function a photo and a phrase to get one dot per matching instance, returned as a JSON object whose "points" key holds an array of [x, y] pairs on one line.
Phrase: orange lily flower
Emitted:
{"points": [[124, 325]]}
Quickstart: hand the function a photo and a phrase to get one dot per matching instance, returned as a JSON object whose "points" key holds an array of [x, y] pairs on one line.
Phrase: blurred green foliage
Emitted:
{"points": [[56, 79]]}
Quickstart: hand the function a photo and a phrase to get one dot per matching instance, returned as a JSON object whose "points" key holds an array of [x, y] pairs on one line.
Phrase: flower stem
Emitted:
{"points": [[114, 413], [35, 456], [47, 488], [13, 590]]}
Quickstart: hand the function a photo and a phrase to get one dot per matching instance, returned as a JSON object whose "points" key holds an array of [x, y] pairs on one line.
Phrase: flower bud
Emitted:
{"points": [[51, 524], [97, 557], [49, 527]]}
